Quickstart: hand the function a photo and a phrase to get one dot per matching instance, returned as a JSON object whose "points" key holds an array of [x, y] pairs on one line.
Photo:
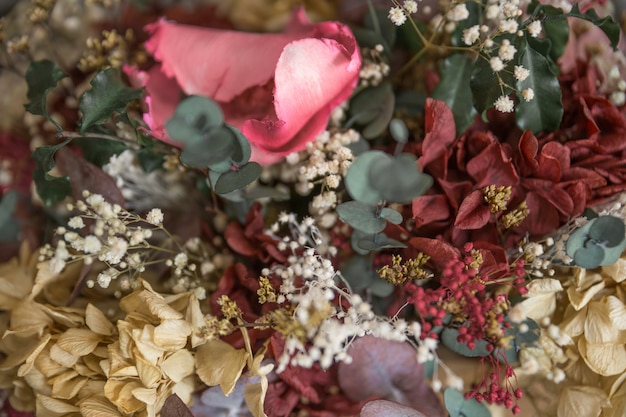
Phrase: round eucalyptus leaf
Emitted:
{"points": [[449, 339], [381, 288], [357, 178], [608, 229], [221, 166], [358, 236], [359, 273], [393, 216], [237, 179], [178, 129], [361, 216], [242, 151], [373, 108], [198, 154], [379, 241], [611, 255], [589, 257], [399, 131], [458, 406], [578, 238], [199, 112], [398, 179]]}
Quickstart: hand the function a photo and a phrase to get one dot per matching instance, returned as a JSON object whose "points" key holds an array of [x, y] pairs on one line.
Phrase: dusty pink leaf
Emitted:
{"points": [[474, 213], [386, 408], [440, 131], [387, 369]]}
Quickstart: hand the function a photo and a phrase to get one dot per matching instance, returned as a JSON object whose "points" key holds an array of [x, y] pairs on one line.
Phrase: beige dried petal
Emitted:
{"points": [[218, 363], [573, 323], [606, 359], [32, 353], [29, 317], [46, 365], [185, 389], [47, 406], [144, 341], [93, 388], [254, 395], [66, 316], [38, 384], [62, 356], [598, 325], [544, 286], [97, 321], [45, 275], [179, 302], [79, 342], [579, 299], [172, 335], [581, 401], [98, 407], [16, 281], [617, 311], [585, 278], [195, 317], [159, 307], [120, 393], [178, 365], [149, 375], [117, 365], [92, 362], [616, 271], [67, 385], [146, 395]]}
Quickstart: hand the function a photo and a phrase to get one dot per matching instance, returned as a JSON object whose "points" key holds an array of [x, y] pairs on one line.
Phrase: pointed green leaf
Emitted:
{"points": [[238, 179], [8, 225], [486, 86], [41, 77], [373, 109], [108, 95], [554, 25], [99, 151], [606, 24], [50, 189], [361, 216], [399, 131], [454, 89], [545, 110]]}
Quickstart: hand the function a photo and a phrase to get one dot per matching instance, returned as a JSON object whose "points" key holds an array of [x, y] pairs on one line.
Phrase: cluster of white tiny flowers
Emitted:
{"points": [[374, 69], [504, 104], [119, 240], [324, 162], [313, 287], [398, 14]]}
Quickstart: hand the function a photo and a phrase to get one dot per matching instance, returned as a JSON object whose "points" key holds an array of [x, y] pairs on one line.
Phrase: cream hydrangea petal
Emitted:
{"points": [[172, 335], [598, 325], [582, 401], [604, 358], [178, 365], [79, 342], [98, 407], [120, 393], [218, 363], [144, 340], [149, 374], [67, 385], [146, 395], [97, 321], [579, 299], [617, 311], [50, 406], [62, 356], [616, 271], [185, 388], [573, 323]]}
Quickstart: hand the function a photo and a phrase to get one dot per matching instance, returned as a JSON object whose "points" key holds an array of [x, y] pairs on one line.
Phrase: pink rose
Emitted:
{"points": [[278, 89]]}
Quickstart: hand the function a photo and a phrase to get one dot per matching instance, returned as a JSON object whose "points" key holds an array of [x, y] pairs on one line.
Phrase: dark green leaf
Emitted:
{"points": [[41, 77], [449, 339], [108, 95], [242, 151], [454, 89], [373, 109], [99, 151], [150, 160], [367, 38], [609, 230], [50, 189], [386, 26], [485, 85], [399, 131], [458, 406], [356, 237], [391, 215], [456, 37], [590, 256], [361, 216], [545, 110], [408, 38], [607, 24], [262, 191], [9, 228], [238, 179], [554, 25]]}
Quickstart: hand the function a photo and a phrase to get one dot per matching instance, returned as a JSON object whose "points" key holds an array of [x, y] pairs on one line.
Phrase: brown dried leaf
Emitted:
{"points": [[175, 407], [97, 321], [79, 342], [178, 365], [218, 363]]}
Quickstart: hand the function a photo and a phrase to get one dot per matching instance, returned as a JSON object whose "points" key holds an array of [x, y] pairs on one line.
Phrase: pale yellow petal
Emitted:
{"points": [[573, 323], [581, 401], [598, 325], [172, 335], [184, 389], [47, 405], [586, 278], [606, 359], [616, 271], [579, 299], [62, 356], [544, 286], [67, 385], [120, 393], [218, 363], [144, 341], [149, 374], [79, 342], [29, 315], [98, 407], [97, 321], [145, 395], [254, 395], [617, 311], [178, 365]]}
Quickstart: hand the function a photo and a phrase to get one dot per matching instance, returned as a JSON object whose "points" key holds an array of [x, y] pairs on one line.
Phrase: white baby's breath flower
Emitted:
{"points": [[471, 34], [92, 244], [76, 222], [528, 94], [492, 11], [534, 28], [181, 260], [496, 64], [155, 217], [506, 51], [458, 13], [520, 73], [508, 26], [504, 104], [397, 16], [410, 6]]}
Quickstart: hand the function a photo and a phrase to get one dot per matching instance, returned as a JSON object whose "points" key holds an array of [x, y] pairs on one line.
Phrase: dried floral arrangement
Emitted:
{"points": [[312, 208]]}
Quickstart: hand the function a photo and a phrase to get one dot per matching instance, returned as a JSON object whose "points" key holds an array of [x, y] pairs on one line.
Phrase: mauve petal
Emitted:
{"points": [[313, 76], [218, 63]]}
